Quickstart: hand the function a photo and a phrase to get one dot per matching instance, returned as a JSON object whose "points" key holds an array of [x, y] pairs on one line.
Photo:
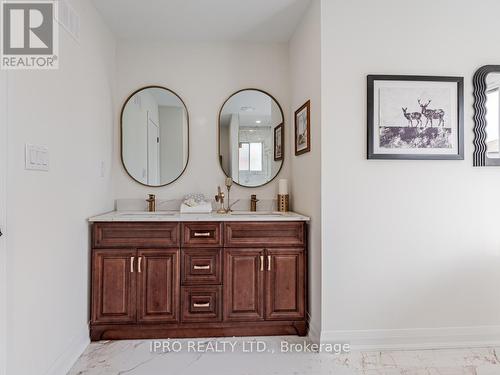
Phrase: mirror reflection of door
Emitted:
{"points": [[247, 143], [153, 152], [155, 136], [493, 115]]}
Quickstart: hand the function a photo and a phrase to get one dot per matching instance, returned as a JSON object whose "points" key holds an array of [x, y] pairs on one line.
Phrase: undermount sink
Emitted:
{"points": [[148, 214], [256, 213]]}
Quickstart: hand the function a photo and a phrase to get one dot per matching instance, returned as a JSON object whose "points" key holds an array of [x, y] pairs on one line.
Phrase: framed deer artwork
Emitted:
{"points": [[415, 117]]}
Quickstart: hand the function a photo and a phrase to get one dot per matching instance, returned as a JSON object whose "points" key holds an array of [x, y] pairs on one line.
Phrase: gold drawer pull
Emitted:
{"points": [[202, 234], [207, 267], [132, 264], [206, 304], [262, 262]]}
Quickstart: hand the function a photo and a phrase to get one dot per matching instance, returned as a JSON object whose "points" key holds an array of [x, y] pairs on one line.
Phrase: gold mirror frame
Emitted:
{"points": [[121, 134], [218, 135]]}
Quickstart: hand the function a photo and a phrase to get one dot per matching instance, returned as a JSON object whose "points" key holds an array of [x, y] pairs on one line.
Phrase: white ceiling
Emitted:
{"points": [[257, 103], [259, 108], [203, 20], [165, 98]]}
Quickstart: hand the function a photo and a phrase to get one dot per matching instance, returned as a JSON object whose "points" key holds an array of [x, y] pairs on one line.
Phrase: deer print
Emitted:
{"points": [[412, 116], [432, 114]]}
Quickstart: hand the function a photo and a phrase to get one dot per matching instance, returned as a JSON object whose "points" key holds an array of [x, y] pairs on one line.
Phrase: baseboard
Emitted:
{"points": [[418, 338], [314, 333], [73, 351]]}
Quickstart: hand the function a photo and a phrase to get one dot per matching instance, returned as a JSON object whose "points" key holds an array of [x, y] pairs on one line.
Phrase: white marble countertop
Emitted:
{"points": [[127, 216]]}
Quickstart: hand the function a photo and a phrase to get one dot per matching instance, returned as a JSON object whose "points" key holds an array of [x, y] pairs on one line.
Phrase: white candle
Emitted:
{"points": [[283, 187]]}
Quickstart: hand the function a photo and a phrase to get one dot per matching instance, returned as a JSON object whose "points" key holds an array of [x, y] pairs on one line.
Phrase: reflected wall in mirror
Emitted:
{"points": [[492, 114], [154, 136], [487, 116], [248, 152]]}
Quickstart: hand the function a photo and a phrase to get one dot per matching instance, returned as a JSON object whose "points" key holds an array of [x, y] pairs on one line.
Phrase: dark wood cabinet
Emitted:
{"points": [[276, 276], [158, 285], [198, 279], [285, 284], [243, 285], [130, 286], [113, 286]]}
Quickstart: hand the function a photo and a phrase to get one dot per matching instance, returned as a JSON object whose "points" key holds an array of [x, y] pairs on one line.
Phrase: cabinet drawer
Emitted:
{"points": [[268, 234], [201, 266], [135, 234], [201, 303], [205, 234]]}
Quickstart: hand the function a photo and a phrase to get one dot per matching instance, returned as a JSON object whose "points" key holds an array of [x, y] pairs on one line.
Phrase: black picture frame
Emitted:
{"points": [[282, 142], [371, 154], [307, 107]]}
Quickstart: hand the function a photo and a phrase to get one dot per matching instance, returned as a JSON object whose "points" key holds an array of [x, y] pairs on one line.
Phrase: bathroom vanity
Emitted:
{"points": [[166, 275]]}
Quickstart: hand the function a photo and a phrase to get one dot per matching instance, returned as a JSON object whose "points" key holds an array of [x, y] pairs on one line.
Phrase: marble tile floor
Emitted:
{"points": [[239, 356]]}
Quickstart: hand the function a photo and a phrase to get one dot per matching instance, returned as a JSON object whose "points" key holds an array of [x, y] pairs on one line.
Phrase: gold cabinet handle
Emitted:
{"points": [[202, 234], [206, 304], [132, 259], [269, 262], [262, 262], [139, 268], [207, 267]]}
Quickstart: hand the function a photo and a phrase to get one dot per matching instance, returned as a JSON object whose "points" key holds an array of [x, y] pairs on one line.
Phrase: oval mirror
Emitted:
{"points": [[251, 137], [155, 136]]}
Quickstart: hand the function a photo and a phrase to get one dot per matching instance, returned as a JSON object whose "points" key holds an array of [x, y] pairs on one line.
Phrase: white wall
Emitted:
{"points": [[409, 247], [204, 75], [305, 81], [71, 111], [3, 219]]}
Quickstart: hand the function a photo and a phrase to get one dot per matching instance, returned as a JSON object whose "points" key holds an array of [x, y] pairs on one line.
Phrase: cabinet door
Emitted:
{"points": [[243, 284], [113, 286], [285, 284], [158, 285]]}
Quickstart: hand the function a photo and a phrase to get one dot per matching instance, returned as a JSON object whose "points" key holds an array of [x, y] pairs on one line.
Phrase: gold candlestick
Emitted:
{"points": [[229, 183]]}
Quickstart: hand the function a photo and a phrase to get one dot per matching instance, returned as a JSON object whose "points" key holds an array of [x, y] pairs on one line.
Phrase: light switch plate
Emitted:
{"points": [[37, 157]]}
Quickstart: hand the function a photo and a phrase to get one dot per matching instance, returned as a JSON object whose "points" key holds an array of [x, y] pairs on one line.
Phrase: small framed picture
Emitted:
{"points": [[303, 129], [415, 117], [279, 141]]}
